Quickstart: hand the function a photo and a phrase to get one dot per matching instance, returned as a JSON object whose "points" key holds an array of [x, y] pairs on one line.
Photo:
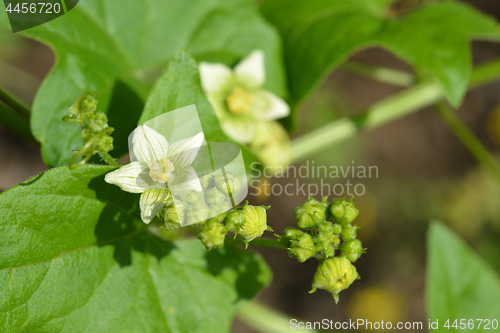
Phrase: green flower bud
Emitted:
{"points": [[205, 180], [197, 213], [334, 275], [214, 196], [326, 228], [219, 212], [212, 235], [310, 214], [86, 135], [100, 119], [234, 220], [173, 215], [255, 223], [232, 185], [88, 103], [324, 245], [105, 143], [343, 212], [337, 229], [290, 234], [192, 197], [302, 248], [352, 249], [348, 232]]}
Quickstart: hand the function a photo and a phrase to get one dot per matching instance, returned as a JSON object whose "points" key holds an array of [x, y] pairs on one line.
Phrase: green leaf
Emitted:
{"points": [[113, 49], [460, 285], [75, 257], [320, 34]]}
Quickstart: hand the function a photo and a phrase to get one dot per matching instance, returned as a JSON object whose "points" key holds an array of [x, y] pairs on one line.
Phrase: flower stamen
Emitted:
{"points": [[239, 101]]}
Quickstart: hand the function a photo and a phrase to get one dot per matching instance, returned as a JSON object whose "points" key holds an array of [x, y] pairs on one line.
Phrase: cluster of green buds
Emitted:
{"points": [[325, 232], [96, 134], [213, 208]]}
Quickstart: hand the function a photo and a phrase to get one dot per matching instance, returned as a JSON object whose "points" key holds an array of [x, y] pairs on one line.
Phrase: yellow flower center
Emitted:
{"points": [[239, 101], [159, 171]]}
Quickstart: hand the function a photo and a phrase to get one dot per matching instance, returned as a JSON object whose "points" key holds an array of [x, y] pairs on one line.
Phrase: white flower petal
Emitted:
{"points": [[151, 202], [239, 129], [130, 178], [148, 144], [183, 152], [250, 71], [268, 106], [185, 180], [214, 77]]}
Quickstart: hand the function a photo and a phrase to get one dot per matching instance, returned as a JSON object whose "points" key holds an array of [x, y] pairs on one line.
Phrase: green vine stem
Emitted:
{"points": [[381, 74], [468, 138], [16, 123], [390, 109], [262, 241], [14, 104], [394, 107], [266, 320]]}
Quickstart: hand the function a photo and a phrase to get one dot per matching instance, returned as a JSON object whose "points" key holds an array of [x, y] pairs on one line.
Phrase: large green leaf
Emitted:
{"points": [[75, 257], [107, 47], [460, 285], [320, 34]]}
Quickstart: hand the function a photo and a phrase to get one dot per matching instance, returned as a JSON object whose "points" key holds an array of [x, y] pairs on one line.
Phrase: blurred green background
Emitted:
{"points": [[424, 173]]}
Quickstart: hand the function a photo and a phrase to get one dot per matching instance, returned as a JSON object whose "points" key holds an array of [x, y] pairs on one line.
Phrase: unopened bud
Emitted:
{"points": [[229, 187], [105, 144], [302, 248], [197, 213], [310, 214], [234, 221], [214, 196], [324, 245], [205, 180], [192, 197], [212, 235], [348, 232], [343, 212], [218, 213], [352, 249], [334, 275], [255, 223]]}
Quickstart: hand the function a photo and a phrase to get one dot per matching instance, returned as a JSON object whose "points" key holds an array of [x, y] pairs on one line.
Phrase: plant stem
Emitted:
{"points": [[108, 159], [15, 122], [468, 138], [485, 73], [394, 107], [381, 74], [263, 241], [266, 320], [14, 104]]}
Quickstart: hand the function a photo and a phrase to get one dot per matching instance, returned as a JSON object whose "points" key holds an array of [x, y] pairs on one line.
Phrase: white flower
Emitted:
{"points": [[238, 98], [159, 171]]}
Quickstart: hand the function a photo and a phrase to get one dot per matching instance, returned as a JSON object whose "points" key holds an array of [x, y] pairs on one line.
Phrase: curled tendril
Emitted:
{"points": [[96, 134]]}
